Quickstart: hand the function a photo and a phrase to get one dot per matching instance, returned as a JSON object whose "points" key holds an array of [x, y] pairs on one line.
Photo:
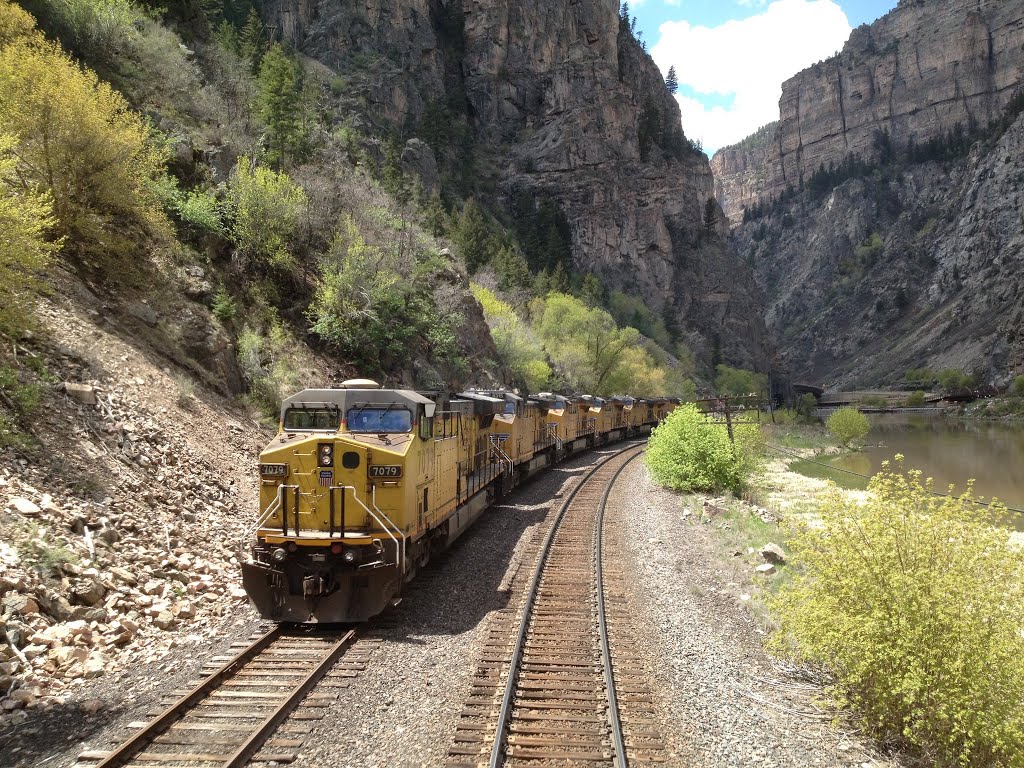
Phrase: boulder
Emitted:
{"points": [[773, 553], [765, 569], [23, 604], [82, 393], [24, 506], [88, 592]]}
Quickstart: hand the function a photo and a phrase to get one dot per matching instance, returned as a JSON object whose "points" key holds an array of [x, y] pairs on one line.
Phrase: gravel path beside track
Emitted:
{"points": [[724, 702]]}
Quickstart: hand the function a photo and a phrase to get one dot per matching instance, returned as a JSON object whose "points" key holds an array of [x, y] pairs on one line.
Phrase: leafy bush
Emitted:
{"points": [[807, 408], [914, 603], [266, 206], [99, 30], [690, 452], [915, 399], [848, 424], [954, 380], [270, 366], [516, 345], [25, 221], [200, 211], [1017, 387], [736, 381], [224, 307], [78, 140], [875, 401]]}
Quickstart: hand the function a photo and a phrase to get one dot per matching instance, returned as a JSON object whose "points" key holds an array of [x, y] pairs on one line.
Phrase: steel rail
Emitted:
{"points": [[123, 754], [609, 680], [127, 752], [242, 755], [505, 713]]}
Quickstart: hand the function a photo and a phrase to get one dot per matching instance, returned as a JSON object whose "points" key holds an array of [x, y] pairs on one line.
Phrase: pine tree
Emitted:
{"points": [[280, 103], [473, 236], [252, 41], [710, 215], [624, 13], [672, 80]]}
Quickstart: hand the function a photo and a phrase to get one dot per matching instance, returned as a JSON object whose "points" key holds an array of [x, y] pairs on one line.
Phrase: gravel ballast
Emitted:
{"points": [[724, 702]]}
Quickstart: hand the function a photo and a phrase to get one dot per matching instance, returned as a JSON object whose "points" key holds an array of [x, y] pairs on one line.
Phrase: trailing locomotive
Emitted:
{"points": [[362, 485]]}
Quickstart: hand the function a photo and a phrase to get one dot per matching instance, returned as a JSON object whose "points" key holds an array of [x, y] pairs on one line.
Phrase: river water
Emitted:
{"points": [[950, 450]]}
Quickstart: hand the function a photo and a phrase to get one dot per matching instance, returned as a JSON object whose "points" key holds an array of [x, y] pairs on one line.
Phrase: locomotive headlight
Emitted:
{"points": [[279, 555], [325, 455], [349, 556]]}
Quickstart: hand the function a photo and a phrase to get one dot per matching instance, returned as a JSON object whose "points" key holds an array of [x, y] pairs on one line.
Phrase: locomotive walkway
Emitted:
{"points": [[556, 685]]}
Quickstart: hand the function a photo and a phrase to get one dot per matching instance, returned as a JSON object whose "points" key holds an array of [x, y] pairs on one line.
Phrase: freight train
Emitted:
{"points": [[362, 485]]}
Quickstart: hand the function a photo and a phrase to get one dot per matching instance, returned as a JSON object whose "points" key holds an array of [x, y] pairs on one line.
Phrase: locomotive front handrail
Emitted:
{"points": [[399, 547]]}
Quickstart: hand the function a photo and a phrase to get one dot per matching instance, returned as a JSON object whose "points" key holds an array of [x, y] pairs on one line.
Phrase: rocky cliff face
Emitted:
{"points": [[911, 257], [910, 268], [563, 108], [740, 178], [916, 74]]}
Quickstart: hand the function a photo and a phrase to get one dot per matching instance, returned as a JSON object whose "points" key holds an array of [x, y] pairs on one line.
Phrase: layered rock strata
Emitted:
{"points": [[567, 108]]}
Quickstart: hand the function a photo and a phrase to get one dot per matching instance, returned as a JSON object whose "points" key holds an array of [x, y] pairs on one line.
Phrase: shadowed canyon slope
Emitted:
{"points": [[884, 217], [567, 109]]}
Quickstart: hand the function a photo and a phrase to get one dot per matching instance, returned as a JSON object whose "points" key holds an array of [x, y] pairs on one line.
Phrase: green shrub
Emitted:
{"points": [[266, 206], [913, 602], [200, 211], [915, 399], [737, 381], [99, 30], [807, 407], [848, 424], [875, 401], [1017, 387], [953, 380], [691, 452], [224, 306]]}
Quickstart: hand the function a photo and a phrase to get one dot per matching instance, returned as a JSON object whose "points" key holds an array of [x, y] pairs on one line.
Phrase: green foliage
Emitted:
{"points": [[915, 399], [97, 30], [42, 555], [25, 221], [473, 237], [516, 345], [224, 307], [1017, 387], [920, 376], [691, 452], [371, 303], [77, 140], [807, 408], [281, 107], [867, 253], [913, 602], [543, 232], [633, 311], [848, 424], [731, 381], [271, 365], [253, 40], [874, 401], [584, 343], [954, 380], [266, 206], [200, 211], [759, 139]]}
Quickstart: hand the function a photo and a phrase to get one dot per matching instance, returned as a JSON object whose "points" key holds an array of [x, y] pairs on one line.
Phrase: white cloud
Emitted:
{"points": [[748, 59]]}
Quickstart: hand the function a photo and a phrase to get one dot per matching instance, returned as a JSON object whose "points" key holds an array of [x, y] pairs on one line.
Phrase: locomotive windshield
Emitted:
{"points": [[313, 419], [387, 419]]}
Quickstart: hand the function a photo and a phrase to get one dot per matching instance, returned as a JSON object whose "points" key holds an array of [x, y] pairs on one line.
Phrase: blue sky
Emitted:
{"points": [[732, 56]]}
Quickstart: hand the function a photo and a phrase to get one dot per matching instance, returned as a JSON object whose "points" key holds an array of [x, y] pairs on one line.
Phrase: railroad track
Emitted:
{"points": [[234, 714], [561, 683]]}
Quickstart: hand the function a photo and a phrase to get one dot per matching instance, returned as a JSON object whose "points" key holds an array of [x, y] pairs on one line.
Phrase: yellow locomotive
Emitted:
{"points": [[362, 484]]}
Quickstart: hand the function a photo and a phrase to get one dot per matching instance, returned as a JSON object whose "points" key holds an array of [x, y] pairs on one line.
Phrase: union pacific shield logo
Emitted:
{"points": [[326, 478]]}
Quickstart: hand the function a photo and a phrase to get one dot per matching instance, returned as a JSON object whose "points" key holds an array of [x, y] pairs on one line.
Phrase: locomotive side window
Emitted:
{"points": [[379, 420], [312, 419], [426, 427]]}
